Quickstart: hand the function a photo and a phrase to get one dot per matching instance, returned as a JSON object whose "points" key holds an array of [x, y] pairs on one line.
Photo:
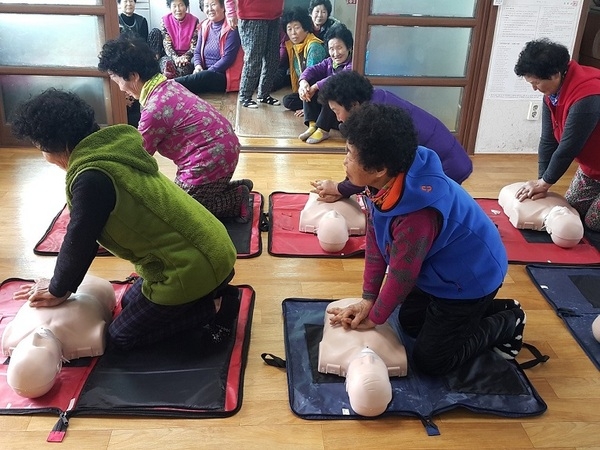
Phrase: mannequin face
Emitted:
{"points": [[546, 87], [332, 232], [34, 364], [565, 227], [368, 384], [295, 32], [127, 7]]}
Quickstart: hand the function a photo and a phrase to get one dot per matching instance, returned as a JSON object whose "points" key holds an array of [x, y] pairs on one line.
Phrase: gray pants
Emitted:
{"points": [[260, 42]]}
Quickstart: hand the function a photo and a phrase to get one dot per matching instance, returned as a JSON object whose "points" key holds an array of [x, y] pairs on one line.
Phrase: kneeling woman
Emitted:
{"points": [[118, 198], [182, 127]]}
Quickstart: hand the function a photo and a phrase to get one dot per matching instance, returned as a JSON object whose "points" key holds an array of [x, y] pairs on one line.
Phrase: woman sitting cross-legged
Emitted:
{"points": [[182, 127], [218, 58]]}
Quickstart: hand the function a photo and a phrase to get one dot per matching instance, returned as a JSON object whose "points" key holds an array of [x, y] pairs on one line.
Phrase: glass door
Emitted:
{"points": [[433, 54]]}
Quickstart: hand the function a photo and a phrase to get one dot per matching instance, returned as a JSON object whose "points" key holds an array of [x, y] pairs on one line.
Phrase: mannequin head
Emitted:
{"points": [[596, 328], [34, 364], [332, 232], [368, 384], [564, 227]]}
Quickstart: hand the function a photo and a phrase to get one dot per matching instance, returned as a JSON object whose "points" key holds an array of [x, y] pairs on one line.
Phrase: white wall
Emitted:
{"points": [[503, 125]]}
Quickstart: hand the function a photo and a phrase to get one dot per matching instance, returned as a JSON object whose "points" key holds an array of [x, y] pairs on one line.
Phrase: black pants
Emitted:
{"points": [[450, 332], [321, 114], [204, 81]]}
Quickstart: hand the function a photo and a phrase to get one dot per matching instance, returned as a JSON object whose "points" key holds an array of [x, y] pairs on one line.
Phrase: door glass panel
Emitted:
{"points": [[442, 102], [420, 52], [16, 89], [437, 8], [59, 41]]}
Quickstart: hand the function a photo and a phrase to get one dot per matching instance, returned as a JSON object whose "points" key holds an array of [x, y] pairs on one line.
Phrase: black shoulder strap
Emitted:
{"points": [[272, 360], [537, 357]]}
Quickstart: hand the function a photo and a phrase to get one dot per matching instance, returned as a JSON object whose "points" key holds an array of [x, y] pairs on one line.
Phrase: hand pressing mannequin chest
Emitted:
{"points": [[367, 358], [334, 222], [39, 339], [551, 213]]}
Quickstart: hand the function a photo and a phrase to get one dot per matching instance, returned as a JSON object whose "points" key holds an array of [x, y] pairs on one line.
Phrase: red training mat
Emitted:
{"points": [[520, 251], [286, 240]]}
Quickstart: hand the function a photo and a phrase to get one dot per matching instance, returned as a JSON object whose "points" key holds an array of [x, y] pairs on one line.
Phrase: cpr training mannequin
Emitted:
{"points": [[334, 222], [551, 213], [367, 358], [38, 340]]}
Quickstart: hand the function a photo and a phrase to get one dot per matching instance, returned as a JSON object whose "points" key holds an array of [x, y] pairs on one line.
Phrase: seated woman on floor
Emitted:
{"points": [[218, 58], [182, 127], [320, 14], [304, 50], [174, 43], [319, 118]]}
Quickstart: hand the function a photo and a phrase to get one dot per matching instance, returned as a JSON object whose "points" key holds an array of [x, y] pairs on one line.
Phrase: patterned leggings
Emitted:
{"points": [[222, 197], [584, 195]]}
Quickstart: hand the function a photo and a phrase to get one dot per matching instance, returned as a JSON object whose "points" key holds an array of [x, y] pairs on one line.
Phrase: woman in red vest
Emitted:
{"points": [[218, 58], [570, 126]]}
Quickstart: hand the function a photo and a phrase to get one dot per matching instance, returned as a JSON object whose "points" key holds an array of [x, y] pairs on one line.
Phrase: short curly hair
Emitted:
{"points": [[346, 88], [325, 3], [542, 58], [54, 120], [384, 137], [341, 32], [126, 55], [185, 2], [297, 14]]}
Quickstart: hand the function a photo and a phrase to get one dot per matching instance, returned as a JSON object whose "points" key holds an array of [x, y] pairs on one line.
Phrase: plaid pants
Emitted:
{"points": [[584, 195], [222, 197], [142, 322]]}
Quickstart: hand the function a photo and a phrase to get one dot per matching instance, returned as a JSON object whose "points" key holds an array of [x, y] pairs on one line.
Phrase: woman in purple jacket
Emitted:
{"points": [[320, 118], [348, 89]]}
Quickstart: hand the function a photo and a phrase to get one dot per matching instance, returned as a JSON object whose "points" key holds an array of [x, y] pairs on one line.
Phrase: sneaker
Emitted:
{"points": [[309, 131], [247, 102], [318, 136], [268, 100], [245, 211], [511, 349]]}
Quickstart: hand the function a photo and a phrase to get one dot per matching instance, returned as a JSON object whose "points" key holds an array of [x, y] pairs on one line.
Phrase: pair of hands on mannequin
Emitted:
{"points": [[327, 190], [306, 91], [354, 316], [533, 189], [38, 295]]}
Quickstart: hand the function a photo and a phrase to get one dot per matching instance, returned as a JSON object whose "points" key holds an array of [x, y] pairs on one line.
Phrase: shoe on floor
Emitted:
{"points": [[245, 211], [511, 349], [309, 131], [268, 100], [247, 102], [318, 136]]}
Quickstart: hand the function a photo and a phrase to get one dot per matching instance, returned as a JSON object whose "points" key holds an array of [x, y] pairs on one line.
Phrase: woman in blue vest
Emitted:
{"points": [[443, 256]]}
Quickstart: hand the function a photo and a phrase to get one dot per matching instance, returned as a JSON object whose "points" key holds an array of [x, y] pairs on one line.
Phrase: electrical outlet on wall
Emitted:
{"points": [[535, 110]]}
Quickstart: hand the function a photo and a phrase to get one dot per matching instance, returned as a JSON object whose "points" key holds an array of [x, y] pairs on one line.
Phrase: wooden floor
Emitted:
{"points": [[31, 193]]}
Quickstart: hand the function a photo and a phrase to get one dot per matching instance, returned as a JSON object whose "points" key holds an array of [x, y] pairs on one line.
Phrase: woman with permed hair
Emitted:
{"points": [[570, 126], [183, 128], [345, 91], [319, 118], [443, 256], [320, 14], [303, 49], [118, 198]]}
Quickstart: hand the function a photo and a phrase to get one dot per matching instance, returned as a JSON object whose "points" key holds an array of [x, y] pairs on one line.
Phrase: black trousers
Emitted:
{"points": [[204, 81], [450, 332]]}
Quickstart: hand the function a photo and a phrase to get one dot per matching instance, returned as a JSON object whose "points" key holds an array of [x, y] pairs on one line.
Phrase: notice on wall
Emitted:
{"points": [[520, 21]]}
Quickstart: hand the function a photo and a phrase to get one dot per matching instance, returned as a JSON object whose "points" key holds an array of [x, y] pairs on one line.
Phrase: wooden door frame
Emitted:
{"points": [[115, 103], [473, 83]]}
